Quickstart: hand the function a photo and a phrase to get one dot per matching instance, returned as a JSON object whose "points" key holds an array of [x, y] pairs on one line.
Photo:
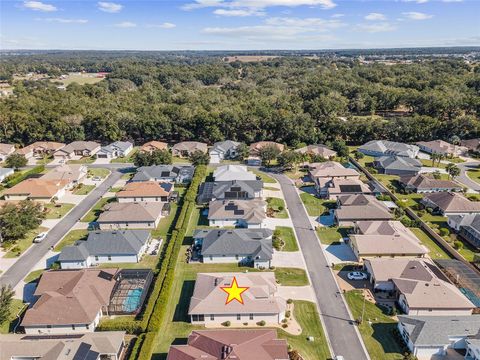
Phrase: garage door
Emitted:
{"points": [[214, 159]]}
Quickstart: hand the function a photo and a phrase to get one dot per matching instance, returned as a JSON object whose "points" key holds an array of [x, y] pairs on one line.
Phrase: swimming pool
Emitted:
{"points": [[132, 301]]}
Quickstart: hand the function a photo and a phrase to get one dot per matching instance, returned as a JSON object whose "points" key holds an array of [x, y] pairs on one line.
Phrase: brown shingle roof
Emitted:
{"points": [[361, 207], [131, 212], [37, 188], [154, 145], [144, 188], [256, 147], [452, 202], [6, 149], [331, 169], [424, 182], [321, 150]]}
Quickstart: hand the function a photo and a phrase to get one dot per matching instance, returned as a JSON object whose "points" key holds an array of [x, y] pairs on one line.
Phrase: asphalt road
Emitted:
{"points": [[342, 334], [36, 252], [463, 177]]}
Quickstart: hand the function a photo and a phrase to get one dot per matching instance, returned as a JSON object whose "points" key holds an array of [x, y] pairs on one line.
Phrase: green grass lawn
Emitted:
{"points": [[147, 262], [474, 175], [100, 172], [332, 235], [57, 211], [127, 176], [83, 189], [83, 160], [115, 189], [314, 205], [264, 177], [164, 225], [291, 276], [287, 234], [34, 275], [436, 252], [71, 238], [127, 159], [429, 163], [378, 337], [96, 210], [15, 307], [277, 205], [21, 245], [271, 188]]}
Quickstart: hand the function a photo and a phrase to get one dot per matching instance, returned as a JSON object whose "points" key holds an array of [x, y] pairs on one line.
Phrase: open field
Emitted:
{"points": [[79, 78]]}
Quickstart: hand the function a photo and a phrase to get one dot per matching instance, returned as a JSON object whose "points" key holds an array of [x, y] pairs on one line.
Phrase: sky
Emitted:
{"points": [[237, 24]]}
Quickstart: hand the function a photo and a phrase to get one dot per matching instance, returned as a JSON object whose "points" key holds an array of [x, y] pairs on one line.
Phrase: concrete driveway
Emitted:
{"points": [[288, 259], [296, 293], [339, 253]]}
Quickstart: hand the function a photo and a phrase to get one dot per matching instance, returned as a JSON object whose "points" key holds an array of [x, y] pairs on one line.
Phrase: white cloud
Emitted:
{"points": [[376, 27], [257, 4], [238, 12], [126, 24], [313, 24], [39, 6], [109, 7], [416, 1], [413, 15], [375, 17], [336, 16], [165, 25], [64, 21]]}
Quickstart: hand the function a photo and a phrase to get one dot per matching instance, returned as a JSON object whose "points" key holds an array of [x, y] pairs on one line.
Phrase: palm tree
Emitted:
{"points": [[452, 170]]}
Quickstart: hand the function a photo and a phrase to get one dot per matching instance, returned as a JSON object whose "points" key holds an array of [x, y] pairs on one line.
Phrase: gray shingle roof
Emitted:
{"points": [[148, 173], [224, 146], [390, 148], [398, 163], [117, 145], [235, 189]]}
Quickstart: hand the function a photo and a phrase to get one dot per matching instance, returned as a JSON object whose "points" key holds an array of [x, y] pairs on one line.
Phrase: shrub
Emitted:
{"points": [[128, 324], [284, 326], [19, 177], [289, 301], [261, 323], [277, 243], [444, 232], [226, 323], [147, 347], [458, 245], [284, 321], [288, 313]]}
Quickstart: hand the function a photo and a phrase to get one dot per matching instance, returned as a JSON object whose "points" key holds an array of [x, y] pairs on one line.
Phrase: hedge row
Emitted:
{"points": [[154, 312], [19, 177], [128, 324]]}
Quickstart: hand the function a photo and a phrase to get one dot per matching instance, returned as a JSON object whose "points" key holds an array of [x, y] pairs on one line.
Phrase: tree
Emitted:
{"points": [[17, 219], [6, 297], [243, 151], [359, 155], [157, 157], [289, 159], [16, 161], [452, 170], [437, 175], [294, 355], [199, 158], [268, 153], [341, 148]]}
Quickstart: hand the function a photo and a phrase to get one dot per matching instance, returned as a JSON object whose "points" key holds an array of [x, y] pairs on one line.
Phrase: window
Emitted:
{"points": [[212, 317], [109, 258], [73, 327], [239, 317], [236, 257], [49, 326], [251, 316], [87, 326], [198, 317], [96, 258]]}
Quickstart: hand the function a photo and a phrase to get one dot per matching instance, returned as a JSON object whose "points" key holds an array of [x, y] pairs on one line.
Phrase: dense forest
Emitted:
{"points": [[291, 100]]}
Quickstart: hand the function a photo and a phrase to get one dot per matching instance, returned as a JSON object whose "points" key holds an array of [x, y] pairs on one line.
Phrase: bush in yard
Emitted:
{"points": [[288, 313], [261, 323], [284, 326], [458, 245], [226, 323], [277, 243], [147, 347], [444, 232], [294, 355], [289, 301]]}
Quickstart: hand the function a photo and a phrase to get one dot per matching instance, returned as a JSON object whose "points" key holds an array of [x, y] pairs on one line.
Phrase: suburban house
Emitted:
{"points": [[450, 203], [132, 215], [254, 158], [226, 190], [422, 183], [103, 345], [117, 246], [354, 208], [117, 149], [473, 348], [73, 173], [69, 301], [223, 150], [152, 146], [238, 213], [242, 246], [442, 147], [319, 150], [233, 172], [231, 344], [471, 144], [39, 149], [322, 173], [388, 148], [336, 187], [6, 150], [397, 165], [145, 191], [5, 172], [430, 336], [179, 174], [37, 189], [187, 148], [77, 149], [418, 285], [468, 227], [260, 303]]}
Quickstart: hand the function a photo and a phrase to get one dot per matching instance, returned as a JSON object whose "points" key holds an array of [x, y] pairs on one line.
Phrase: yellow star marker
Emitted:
{"points": [[234, 292]]}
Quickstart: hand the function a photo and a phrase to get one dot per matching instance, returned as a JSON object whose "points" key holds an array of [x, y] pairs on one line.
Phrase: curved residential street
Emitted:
{"points": [[342, 334], [463, 177]]}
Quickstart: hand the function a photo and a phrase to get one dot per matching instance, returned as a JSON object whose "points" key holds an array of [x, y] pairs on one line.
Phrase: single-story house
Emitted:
{"points": [[37, 189], [244, 344], [260, 302], [422, 183], [39, 149], [77, 149], [450, 203], [226, 190], [388, 148], [467, 226], [242, 246], [131, 215], [333, 188], [88, 346], [74, 173], [152, 146], [254, 159], [471, 144], [117, 246], [429, 336], [473, 348], [187, 148], [233, 172], [5, 172], [442, 147], [179, 174], [69, 301], [354, 208], [223, 150], [319, 150], [322, 173], [145, 191], [397, 165], [6, 150], [238, 213], [117, 149]]}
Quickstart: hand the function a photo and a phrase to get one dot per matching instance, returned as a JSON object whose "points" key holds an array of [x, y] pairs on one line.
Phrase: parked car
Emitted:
{"points": [[357, 275], [97, 178], [40, 237]]}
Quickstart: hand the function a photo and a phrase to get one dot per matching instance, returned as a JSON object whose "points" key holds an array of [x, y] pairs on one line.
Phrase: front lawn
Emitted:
{"points": [[291, 277], [332, 235], [264, 177], [83, 160], [276, 207], [15, 307], [376, 329], [34, 275], [83, 189], [57, 211], [72, 237], [96, 210], [474, 175], [287, 235], [314, 205], [19, 246], [98, 172], [429, 163]]}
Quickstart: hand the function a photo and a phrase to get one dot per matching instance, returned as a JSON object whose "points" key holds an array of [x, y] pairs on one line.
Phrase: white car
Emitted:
{"points": [[357, 275], [40, 237], [97, 178]]}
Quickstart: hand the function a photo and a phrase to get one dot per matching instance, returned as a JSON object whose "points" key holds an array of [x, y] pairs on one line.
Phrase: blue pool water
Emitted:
{"points": [[132, 301]]}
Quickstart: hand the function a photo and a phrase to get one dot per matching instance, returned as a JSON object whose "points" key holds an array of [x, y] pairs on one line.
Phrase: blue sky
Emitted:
{"points": [[237, 24]]}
